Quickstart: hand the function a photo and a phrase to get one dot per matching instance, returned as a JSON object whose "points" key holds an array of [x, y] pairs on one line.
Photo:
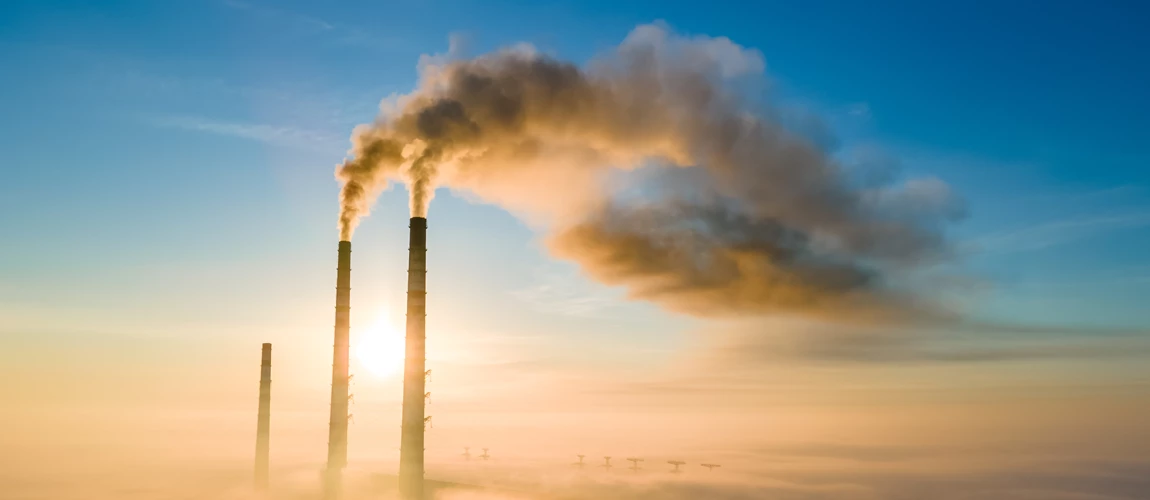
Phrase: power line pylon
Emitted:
{"points": [[634, 463]]}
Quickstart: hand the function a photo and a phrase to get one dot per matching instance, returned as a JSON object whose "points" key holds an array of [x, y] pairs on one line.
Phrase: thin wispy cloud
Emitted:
{"points": [[340, 34], [281, 15], [356, 37], [320, 106], [859, 110], [1075, 283], [768, 344], [1123, 191], [564, 292], [1054, 233], [274, 134], [900, 350]]}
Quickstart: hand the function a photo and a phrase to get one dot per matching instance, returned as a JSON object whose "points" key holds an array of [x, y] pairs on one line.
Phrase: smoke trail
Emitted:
{"points": [[651, 172], [363, 179]]}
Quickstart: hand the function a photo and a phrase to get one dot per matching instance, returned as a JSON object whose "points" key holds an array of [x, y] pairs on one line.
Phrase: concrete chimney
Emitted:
{"points": [[411, 441], [263, 421], [337, 423]]}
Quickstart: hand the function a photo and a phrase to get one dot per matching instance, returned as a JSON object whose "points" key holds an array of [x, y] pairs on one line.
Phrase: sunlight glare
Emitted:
{"points": [[381, 347]]}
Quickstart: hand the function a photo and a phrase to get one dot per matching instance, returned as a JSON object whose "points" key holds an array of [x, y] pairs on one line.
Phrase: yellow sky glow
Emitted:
{"points": [[380, 347]]}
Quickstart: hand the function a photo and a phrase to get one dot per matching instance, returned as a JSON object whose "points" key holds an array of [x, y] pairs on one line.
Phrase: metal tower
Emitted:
{"points": [[634, 463]]}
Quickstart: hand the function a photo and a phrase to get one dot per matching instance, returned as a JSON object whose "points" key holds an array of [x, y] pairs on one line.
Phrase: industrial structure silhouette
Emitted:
{"points": [[340, 378], [415, 372], [635, 464], [415, 421], [263, 419]]}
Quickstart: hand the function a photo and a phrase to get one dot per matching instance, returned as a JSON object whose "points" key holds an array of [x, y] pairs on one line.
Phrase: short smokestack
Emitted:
{"points": [[414, 373], [263, 421], [337, 424]]}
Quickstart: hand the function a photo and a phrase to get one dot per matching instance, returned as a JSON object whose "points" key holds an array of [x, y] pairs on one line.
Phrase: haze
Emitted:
{"points": [[892, 251]]}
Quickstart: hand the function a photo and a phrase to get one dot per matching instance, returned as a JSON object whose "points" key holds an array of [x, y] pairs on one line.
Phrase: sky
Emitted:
{"points": [[168, 202]]}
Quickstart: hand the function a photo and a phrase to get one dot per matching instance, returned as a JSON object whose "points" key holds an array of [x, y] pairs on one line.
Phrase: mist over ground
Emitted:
{"points": [[815, 452]]}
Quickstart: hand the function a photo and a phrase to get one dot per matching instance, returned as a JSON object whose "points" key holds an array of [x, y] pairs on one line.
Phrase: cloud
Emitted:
{"points": [[1100, 194], [279, 135], [926, 343], [312, 110], [860, 110], [1058, 232], [1077, 282], [562, 291], [281, 15], [339, 34], [653, 172], [356, 37]]}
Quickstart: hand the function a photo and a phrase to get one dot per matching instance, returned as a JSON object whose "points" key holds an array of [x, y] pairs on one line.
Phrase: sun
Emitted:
{"points": [[381, 348]]}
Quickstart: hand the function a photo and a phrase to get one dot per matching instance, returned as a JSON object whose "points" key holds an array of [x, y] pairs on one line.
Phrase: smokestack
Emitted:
{"points": [[337, 424], [411, 441], [264, 419]]}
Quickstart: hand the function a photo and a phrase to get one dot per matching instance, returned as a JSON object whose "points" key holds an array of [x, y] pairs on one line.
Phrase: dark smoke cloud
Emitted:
{"points": [[651, 172], [711, 261]]}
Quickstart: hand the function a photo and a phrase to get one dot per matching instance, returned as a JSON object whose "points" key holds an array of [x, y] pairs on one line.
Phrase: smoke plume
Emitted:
{"points": [[650, 170]]}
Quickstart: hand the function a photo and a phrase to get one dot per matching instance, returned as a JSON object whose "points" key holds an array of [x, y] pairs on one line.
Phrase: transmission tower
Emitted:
{"points": [[634, 463]]}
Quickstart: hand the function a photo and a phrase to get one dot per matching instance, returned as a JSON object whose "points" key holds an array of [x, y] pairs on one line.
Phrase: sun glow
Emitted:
{"points": [[381, 347]]}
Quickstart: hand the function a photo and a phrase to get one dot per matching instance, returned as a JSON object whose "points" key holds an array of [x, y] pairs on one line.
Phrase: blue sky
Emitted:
{"points": [[198, 131]]}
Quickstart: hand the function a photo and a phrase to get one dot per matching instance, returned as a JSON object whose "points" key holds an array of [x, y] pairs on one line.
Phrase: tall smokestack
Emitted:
{"points": [[414, 378], [337, 424], [263, 421]]}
